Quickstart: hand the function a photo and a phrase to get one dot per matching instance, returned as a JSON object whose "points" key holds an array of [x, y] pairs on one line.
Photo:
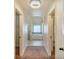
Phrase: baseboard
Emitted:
{"points": [[22, 53], [48, 52]]}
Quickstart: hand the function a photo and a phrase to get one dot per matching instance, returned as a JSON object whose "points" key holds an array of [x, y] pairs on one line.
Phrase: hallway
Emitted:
{"points": [[39, 29]]}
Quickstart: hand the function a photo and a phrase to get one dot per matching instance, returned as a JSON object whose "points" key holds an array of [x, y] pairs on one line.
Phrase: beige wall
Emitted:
{"points": [[58, 30], [59, 37]]}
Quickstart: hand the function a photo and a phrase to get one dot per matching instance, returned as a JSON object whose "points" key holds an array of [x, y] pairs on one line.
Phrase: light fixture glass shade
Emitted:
{"points": [[35, 4]]}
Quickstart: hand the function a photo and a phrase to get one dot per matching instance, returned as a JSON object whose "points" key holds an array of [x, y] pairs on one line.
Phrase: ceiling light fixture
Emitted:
{"points": [[35, 3]]}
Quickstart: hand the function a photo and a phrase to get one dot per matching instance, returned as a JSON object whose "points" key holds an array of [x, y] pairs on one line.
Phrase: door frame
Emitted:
{"points": [[50, 16], [17, 8]]}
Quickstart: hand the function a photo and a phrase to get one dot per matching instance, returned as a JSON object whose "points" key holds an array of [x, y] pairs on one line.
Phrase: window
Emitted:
{"points": [[37, 29]]}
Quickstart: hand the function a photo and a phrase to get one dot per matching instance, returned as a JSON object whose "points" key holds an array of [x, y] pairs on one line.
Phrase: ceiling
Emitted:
{"points": [[45, 5], [42, 11]]}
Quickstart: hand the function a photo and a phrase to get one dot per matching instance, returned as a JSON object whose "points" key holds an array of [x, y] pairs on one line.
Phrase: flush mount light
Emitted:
{"points": [[35, 3]]}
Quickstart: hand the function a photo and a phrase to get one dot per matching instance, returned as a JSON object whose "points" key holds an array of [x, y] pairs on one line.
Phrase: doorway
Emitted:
{"points": [[17, 34], [51, 25], [53, 18]]}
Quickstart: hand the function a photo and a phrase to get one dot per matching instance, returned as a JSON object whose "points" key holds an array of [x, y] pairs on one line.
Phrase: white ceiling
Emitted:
{"points": [[45, 5], [42, 11]]}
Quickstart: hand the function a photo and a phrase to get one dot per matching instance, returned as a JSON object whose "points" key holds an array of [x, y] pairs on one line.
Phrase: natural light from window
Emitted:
{"points": [[37, 28]]}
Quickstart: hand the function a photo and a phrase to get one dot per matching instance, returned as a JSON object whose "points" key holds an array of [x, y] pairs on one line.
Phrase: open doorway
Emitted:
{"points": [[17, 34], [53, 24], [19, 41], [51, 31]]}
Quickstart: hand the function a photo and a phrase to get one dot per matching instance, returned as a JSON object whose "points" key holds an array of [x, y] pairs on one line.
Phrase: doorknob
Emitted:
{"points": [[62, 49]]}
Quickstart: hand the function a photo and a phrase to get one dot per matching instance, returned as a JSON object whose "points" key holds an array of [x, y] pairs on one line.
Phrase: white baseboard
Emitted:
{"points": [[22, 53], [48, 52]]}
